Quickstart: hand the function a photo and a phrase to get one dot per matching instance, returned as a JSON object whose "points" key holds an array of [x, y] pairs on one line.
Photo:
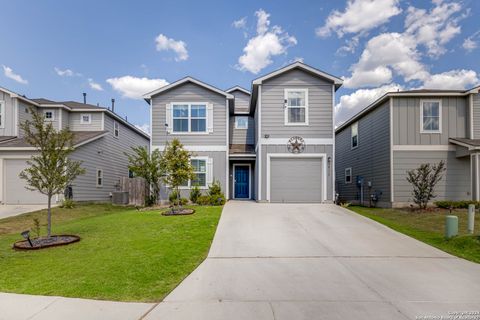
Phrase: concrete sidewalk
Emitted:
{"points": [[11, 210], [23, 307]]}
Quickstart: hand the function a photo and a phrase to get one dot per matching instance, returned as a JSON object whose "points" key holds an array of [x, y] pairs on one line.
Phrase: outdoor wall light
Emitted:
{"points": [[267, 136]]}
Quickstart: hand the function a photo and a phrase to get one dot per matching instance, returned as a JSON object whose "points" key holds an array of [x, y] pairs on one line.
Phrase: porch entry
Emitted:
{"points": [[241, 183]]}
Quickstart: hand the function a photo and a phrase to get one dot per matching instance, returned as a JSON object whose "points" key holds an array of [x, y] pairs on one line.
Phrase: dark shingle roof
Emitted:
{"points": [[71, 104], [470, 142], [242, 148], [78, 137]]}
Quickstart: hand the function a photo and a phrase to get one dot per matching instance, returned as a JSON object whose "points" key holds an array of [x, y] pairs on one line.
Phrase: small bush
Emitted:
{"points": [[175, 200], [345, 204], [217, 200], [446, 204], [203, 200], [67, 204], [36, 227], [195, 194]]}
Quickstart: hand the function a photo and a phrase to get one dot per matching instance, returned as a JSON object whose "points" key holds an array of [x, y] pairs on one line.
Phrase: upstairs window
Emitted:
{"points": [[296, 106], [241, 122], [348, 175], [99, 178], [86, 118], [49, 115], [2, 114], [431, 116], [189, 117], [354, 135], [116, 128]]}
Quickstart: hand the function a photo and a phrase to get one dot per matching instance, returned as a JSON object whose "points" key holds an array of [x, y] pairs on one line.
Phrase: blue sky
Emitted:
{"points": [[119, 49]]}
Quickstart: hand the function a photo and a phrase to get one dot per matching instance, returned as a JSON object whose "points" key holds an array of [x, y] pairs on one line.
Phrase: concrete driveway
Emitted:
{"points": [[11, 210], [279, 261]]}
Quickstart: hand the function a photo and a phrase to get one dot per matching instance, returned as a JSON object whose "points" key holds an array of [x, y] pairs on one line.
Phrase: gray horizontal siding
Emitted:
{"points": [[219, 173], [320, 106], [406, 123], [189, 92], [309, 149], [23, 115], [455, 185], [95, 125], [65, 119], [9, 121], [371, 159], [241, 102], [108, 154], [476, 115], [242, 136]]}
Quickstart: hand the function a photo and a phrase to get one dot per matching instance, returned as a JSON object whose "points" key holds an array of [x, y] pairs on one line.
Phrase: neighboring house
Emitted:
{"points": [[275, 143], [100, 139], [399, 132]]}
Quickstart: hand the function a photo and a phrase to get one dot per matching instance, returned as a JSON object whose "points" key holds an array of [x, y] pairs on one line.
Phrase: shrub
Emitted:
{"points": [[203, 200], [67, 204], [176, 200], [215, 188], [446, 204], [217, 200], [423, 180], [195, 194], [36, 227]]}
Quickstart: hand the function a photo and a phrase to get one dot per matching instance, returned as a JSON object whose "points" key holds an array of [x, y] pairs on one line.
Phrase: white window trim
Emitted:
{"points": [[189, 186], [97, 176], [45, 113], [351, 175], [351, 136], [286, 107], [89, 118], [116, 131], [2, 114], [189, 118], [236, 123], [439, 116]]}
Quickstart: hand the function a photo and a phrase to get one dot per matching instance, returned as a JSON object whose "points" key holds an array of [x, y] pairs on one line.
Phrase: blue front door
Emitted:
{"points": [[242, 176]]}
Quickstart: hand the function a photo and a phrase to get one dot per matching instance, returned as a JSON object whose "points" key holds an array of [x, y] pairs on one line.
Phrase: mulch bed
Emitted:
{"points": [[46, 242], [181, 212]]}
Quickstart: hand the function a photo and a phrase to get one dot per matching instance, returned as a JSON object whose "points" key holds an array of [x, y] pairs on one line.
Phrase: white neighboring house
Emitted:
{"points": [[100, 139]]}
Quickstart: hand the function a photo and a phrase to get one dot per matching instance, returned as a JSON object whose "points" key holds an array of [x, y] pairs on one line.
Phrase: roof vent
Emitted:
{"points": [[113, 105], [84, 98]]}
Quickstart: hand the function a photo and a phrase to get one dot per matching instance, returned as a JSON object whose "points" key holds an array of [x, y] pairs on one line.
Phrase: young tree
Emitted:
{"points": [[176, 165], [424, 179], [51, 171], [147, 165]]}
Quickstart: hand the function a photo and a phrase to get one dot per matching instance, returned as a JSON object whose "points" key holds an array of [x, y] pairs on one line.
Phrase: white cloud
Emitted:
{"points": [[269, 42], [471, 43], [353, 103], [8, 72], [179, 47], [240, 23], [135, 88], [144, 127], [66, 72], [359, 16], [434, 28], [453, 79], [384, 54], [94, 85]]}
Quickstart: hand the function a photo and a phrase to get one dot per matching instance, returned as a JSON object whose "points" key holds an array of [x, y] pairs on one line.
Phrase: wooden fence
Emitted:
{"points": [[137, 189]]}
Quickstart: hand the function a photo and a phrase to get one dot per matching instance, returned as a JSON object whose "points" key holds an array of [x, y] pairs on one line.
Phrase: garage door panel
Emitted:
{"points": [[15, 191], [296, 179]]}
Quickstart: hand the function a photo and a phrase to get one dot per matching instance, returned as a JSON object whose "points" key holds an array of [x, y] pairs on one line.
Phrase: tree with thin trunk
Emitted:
{"points": [[177, 166], [50, 171], [147, 166], [424, 180]]}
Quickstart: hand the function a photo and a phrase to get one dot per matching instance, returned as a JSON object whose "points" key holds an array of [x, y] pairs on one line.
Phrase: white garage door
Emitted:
{"points": [[15, 191], [296, 180]]}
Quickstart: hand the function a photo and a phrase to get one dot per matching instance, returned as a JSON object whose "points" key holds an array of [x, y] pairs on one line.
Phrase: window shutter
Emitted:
{"points": [[169, 118], [210, 118], [209, 171]]}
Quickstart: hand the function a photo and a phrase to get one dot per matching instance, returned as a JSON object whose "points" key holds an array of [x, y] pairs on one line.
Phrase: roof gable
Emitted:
{"points": [[183, 81]]}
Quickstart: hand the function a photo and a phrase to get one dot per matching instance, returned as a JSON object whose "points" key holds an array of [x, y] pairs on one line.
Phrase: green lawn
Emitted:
{"points": [[124, 254], [429, 227]]}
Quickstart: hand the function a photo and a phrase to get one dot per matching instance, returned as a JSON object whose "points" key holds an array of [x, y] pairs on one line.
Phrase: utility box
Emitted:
{"points": [[451, 226], [120, 197]]}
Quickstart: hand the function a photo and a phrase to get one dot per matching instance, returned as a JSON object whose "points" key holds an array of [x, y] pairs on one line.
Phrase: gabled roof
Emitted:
{"points": [[79, 138], [470, 144], [406, 93], [17, 95], [238, 88], [300, 65], [185, 80]]}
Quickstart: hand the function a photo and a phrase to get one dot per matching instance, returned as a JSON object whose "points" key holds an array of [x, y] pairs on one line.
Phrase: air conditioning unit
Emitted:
{"points": [[120, 197]]}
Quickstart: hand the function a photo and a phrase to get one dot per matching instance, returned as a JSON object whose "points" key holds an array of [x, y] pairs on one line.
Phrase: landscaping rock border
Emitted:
{"points": [[183, 212], [46, 242]]}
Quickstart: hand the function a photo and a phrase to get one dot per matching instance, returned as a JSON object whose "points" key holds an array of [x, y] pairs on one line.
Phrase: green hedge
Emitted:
{"points": [[456, 204]]}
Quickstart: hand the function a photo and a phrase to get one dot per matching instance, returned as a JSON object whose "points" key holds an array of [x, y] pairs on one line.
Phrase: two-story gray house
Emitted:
{"points": [[101, 137], [274, 143], [400, 131]]}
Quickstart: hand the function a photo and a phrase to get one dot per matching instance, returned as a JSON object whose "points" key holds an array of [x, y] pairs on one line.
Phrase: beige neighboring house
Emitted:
{"points": [[100, 139]]}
